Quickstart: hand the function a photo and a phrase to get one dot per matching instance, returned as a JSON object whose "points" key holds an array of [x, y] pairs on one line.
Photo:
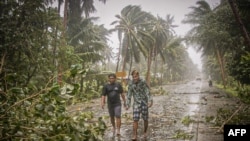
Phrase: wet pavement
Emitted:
{"points": [[185, 112]]}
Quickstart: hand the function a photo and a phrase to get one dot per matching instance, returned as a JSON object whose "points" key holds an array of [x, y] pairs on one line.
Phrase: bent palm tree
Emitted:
{"points": [[160, 30], [206, 33], [129, 24], [238, 19]]}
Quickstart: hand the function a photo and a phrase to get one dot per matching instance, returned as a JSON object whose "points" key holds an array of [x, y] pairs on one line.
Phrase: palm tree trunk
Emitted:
{"points": [[170, 74], [59, 75], [130, 65], [155, 63], [65, 16], [162, 64], [221, 67], [3, 61], [155, 68], [125, 54], [118, 61], [124, 59], [149, 67], [119, 51], [238, 19]]}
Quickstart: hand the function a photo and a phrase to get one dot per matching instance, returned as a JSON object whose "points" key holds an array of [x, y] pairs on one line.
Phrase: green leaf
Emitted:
{"points": [[16, 90], [39, 107]]}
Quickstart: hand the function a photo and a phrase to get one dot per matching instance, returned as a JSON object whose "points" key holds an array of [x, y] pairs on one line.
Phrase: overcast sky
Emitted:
{"points": [[177, 8]]}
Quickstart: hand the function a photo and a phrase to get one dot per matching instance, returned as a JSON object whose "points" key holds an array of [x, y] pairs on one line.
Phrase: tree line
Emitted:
{"points": [[221, 33]]}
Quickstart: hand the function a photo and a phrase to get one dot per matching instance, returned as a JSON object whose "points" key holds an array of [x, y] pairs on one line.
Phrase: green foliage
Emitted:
{"points": [[33, 55], [27, 36], [86, 84], [186, 120], [43, 115], [209, 118], [244, 94], [239, 68], [158, 91], [180, 134], [242, 116]]}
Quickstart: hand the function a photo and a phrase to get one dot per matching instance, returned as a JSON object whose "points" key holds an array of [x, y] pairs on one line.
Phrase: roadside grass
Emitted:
{"points": [[186, 120], [180, 134], [157, 91], [209, 118], [229, 90], [242, 116]]}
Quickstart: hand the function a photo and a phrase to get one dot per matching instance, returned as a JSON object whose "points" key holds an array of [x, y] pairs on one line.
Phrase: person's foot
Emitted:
{"points": [[134, 138], [113, 131], [118, 133]]}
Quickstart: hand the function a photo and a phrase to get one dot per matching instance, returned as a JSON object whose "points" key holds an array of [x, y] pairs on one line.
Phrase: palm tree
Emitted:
{"points": [[175, 56], [207, 33], [160, 30], [129, 24], [90, 42], [239, 21], [73, 9], [119, 50], [211, 65]]}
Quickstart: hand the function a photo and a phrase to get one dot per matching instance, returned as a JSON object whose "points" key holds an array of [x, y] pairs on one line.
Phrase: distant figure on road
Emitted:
{"points": [[210, 83], [113, 91], [139, 89]]}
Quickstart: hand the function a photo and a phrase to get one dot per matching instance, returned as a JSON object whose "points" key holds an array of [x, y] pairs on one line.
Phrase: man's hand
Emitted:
{"points": [[102, 105], [150, 104], [103, 101], [124, 104]]}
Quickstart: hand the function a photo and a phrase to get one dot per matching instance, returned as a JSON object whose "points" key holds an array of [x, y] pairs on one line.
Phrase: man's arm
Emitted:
{"points": [[150, 104], [149, 97], [124, 99], [121, 91], [103, 101], [128, 98], [103, 96]]}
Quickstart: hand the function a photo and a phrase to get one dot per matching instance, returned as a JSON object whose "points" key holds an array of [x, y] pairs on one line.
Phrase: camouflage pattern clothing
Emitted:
{"points": [[140, 93]]}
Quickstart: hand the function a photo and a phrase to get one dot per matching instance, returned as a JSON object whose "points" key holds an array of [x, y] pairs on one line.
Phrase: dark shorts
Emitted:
{"points": [[142, 110], [115, 110]]}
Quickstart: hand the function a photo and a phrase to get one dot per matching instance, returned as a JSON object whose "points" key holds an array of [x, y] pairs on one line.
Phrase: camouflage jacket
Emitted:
{"points": [[139, 91]]}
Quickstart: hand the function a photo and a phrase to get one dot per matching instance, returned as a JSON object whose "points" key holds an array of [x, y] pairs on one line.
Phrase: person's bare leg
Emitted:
{"points": [[135, 127], [145, 128], [112, 120], [118, 125]]}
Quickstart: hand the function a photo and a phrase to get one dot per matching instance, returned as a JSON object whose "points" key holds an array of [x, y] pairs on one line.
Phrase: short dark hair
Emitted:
{"points": [[135, 72], [112, 74]]}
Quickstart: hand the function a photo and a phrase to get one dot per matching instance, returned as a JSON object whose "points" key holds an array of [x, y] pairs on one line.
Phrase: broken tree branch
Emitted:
{"points": [[225, 122]]}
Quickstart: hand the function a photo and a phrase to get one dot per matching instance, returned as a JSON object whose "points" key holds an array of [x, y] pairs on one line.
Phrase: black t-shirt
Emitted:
{"points": [[113, 91]]}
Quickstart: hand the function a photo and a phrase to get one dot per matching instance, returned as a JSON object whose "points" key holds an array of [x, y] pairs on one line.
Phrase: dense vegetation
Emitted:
{"points": [[49, 61], [222, 35]]}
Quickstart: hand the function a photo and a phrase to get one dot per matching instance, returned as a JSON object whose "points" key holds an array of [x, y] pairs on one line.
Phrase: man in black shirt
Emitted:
{"points": [[113, 91]]}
